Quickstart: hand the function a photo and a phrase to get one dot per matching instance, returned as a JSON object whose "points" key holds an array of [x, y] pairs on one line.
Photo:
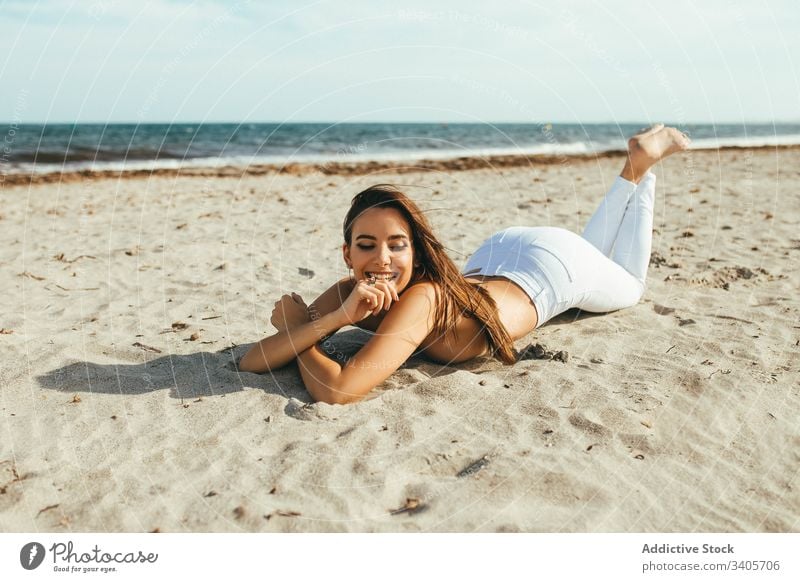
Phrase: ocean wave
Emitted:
{"points": [[53, 164], [755, 141], [87, 159]]}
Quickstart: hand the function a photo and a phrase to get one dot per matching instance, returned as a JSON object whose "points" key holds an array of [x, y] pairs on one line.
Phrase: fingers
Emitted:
{"points": [[293, 297], [375, 299], [275, 319], [389, 291], [380, 296], [389, 294]]}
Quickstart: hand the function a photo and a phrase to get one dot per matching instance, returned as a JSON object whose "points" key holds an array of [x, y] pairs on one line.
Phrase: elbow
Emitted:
{"points": [[332, 395], [244, 366], [247, 363], [254, 365], [328, 399], [257, 361], [344, 399]]}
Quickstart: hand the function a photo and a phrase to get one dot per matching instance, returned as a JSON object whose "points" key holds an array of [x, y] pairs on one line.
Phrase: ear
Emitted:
{"points": [[346, 255]]}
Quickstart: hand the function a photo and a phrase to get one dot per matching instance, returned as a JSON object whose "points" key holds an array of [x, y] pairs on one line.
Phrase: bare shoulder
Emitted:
{"points": [[413, 300], [414, 310], [422, 293], [422, 289]]}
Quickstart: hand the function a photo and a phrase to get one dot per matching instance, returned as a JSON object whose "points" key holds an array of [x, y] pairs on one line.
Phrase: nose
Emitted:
{"points": [[385, 255]]}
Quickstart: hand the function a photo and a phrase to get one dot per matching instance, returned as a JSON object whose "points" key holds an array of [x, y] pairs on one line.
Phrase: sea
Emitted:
{"points": [[45, 148]]}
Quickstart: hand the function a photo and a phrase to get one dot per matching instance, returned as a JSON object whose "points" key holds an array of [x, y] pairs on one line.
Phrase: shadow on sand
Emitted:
{"points": [[208, 374], [573, 315]]}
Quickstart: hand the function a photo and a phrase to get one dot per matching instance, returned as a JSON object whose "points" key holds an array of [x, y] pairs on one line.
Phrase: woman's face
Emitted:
{"points": [[381, 247]]}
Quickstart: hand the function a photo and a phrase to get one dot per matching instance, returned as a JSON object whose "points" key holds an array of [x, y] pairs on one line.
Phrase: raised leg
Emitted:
{"points": [[603, 226], [619, 207], [635, 236], [619, 280]]}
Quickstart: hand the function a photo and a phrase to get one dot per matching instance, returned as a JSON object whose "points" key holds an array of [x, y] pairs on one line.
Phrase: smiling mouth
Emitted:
{"points": [[381, 276]]}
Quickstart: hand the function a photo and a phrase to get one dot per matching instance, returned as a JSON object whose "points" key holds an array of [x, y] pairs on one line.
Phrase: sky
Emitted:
{"points": [[103, 61]]}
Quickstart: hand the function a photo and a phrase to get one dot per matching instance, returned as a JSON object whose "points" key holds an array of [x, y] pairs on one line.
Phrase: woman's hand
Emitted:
{"points": [[367, 298], [290, 311]]}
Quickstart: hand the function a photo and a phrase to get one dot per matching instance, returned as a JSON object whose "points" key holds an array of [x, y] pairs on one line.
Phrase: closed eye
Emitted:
{"points": [[394, 248]]}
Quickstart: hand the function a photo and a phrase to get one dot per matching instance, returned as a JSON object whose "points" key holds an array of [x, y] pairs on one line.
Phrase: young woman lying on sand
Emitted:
{"points": [[405, 288]]}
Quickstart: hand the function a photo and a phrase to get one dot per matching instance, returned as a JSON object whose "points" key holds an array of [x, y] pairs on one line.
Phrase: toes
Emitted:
{"points": [[650, 130], [682, 139]]}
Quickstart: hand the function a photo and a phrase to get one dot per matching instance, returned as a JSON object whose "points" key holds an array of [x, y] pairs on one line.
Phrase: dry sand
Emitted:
{"points": [[125, 302]]}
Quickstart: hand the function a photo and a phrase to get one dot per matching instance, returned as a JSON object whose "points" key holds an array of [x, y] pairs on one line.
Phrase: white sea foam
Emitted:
{"points": [[245, 161], [754, 141], [397, 156]]}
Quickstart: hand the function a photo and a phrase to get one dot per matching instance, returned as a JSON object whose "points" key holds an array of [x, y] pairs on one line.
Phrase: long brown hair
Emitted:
{"points": [[459, 295]]}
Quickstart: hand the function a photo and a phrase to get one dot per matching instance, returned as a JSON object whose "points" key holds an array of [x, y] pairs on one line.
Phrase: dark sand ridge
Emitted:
{"points": [[335, 168]]}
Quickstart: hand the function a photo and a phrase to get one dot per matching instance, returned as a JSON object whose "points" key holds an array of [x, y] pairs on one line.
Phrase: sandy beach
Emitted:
{"points": [[127, 300]]}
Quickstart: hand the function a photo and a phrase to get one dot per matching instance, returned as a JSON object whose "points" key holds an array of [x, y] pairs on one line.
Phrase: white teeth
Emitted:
{"points": [[381, 276]]}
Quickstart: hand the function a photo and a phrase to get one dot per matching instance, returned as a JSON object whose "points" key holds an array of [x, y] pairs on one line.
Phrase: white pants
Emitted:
{"points": [[621, 229], [603, 270]]}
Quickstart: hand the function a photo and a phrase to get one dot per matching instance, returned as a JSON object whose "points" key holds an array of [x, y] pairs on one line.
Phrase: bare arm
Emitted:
{"points": [[403, 329], [279, 349]]}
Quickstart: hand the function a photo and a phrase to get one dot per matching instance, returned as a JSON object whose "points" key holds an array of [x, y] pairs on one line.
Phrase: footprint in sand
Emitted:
{"points": [[638, 444], [722, 278], [591, 428]]}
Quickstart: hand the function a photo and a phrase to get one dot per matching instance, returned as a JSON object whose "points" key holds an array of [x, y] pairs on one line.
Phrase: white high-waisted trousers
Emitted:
{"points": [[602, 270]]}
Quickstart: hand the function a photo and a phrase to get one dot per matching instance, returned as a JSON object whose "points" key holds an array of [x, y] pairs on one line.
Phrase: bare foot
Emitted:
{"points": [[647, 131], [650, 147]]}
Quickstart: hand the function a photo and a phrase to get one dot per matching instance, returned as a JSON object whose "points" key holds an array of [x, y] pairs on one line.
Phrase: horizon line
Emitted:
{"points": [[444, 122]]}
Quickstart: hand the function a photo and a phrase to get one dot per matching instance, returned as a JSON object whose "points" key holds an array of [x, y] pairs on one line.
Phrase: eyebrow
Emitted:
{"points": [[393, 237]]}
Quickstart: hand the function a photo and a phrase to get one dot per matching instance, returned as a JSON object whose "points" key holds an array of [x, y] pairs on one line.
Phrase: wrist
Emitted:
{"points": [[328, 324]]}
